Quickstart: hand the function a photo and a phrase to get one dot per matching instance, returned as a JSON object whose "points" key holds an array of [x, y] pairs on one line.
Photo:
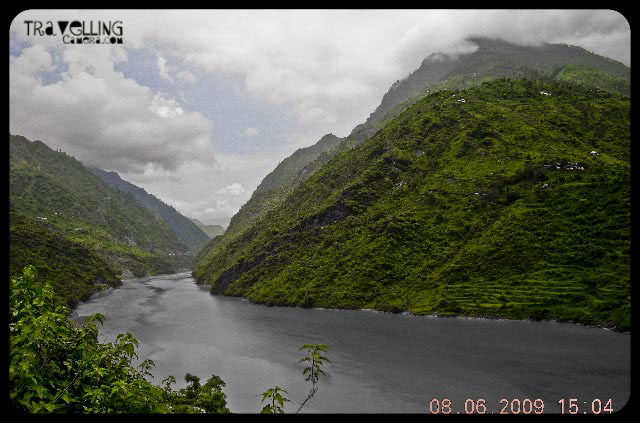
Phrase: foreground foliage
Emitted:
{"points": [[56, 366], [196, 398], [276, 401], [315, 362]]}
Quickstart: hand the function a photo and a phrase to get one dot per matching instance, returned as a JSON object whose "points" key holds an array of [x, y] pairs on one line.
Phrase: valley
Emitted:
{"points": [[183, 239]]}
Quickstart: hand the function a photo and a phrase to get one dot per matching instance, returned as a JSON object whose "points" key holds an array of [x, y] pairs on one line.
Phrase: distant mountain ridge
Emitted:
{"points": [[212, 231], [279, 182], [187, 231]]}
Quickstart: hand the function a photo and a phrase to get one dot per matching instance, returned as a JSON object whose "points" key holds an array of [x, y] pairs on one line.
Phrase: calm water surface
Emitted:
{"points": [[380, 362]]}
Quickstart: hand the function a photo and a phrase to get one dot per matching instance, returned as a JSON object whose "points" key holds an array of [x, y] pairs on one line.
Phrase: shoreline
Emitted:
{"points": [[436, 315], [432, 315]]}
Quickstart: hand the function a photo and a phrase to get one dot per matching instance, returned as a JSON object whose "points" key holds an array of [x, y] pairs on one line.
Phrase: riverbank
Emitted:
{"points": [[455, 316], [445, 314]]}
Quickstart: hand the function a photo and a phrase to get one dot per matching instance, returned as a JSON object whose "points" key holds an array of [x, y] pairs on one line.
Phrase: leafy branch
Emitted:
{"points": [[316, 360], [277, 400]]}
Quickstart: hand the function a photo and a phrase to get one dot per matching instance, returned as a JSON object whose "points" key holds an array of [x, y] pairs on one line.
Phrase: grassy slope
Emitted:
{"points": [[590, 77], [493, 59], [55, 201], [395, 223]]}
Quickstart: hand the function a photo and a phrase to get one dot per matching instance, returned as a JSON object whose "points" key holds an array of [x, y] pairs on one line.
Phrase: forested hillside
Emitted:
{"points": [[75, 271], [185, 230], [83, 233], [492, 59], [484, 201]]}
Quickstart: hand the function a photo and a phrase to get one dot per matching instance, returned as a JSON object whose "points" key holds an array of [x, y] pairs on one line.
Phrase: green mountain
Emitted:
{"points": [[75, 271], [185, 230], [481, 201], [272, 191], [212, 231], [280, 182], [493, 59], [84, 233], [595, 78]]}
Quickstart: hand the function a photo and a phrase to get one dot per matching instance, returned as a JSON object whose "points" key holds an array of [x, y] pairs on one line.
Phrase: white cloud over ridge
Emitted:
{"points": [[233, 189], [186, 76], [331, 67]]}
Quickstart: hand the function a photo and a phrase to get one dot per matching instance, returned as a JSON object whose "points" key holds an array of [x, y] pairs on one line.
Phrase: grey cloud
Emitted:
{"points": [[102, 118]]}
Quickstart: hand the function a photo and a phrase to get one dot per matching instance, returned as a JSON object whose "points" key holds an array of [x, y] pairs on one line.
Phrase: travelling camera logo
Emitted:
{"points": [[78, 32]]}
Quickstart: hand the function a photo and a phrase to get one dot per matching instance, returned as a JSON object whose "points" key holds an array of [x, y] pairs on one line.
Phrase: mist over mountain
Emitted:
{"points": [[494, 58]]}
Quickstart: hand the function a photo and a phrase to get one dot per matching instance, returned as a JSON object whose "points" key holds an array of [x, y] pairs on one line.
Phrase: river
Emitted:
{"points": [[379, 362]]}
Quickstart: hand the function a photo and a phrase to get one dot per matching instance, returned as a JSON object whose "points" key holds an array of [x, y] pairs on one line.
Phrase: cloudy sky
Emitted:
{"points": [[198, 106]]}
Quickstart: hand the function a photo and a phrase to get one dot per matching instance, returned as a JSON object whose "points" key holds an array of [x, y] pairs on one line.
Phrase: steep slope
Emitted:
{"points": [[185, 230], [75, 271], [465, 207], [212, 231], [279, 183], [273, 189], [56, 199], [492, 59]]}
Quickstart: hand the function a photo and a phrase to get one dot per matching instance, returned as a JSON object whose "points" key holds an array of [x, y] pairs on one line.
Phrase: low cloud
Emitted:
{"points": [[233, 189], [163, 70], [327, 70], [211, 194], [186, 76], [330, 68], [214, 211], [101, 117]]}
